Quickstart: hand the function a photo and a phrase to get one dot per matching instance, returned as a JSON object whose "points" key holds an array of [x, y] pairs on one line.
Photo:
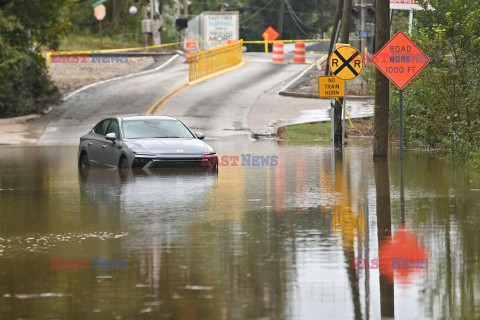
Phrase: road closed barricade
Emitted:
{"points": [[299, 55], [278, 52]]}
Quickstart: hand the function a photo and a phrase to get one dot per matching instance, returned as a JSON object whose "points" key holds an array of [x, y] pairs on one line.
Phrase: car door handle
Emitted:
{"points": [[104, 146], [90, 143]]}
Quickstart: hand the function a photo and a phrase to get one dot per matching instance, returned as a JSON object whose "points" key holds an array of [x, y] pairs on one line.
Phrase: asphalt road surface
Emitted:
{"points": [[219, 107]]}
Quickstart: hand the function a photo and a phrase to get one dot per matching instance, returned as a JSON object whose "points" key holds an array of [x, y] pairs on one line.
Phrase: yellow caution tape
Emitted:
{"points": [[349, 120], [49, 54], [60, 53], [288, 41]]}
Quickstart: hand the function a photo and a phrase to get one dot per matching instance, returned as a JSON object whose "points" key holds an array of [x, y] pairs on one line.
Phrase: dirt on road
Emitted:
{"points": [[70, 76]]}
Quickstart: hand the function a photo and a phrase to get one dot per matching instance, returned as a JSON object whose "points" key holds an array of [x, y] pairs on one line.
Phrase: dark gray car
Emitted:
{"points": [[144, 141]]}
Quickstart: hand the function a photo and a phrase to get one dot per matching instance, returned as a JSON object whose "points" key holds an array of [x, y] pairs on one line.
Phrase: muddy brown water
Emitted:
{"points": [[286, 241]]}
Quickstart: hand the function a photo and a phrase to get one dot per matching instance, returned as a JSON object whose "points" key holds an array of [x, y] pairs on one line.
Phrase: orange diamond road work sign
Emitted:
{"points": [[346, 63], [400, 60], [272, 34]]}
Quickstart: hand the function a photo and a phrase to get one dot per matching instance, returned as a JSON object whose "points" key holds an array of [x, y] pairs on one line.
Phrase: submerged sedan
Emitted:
{"points": [[144, 141]]}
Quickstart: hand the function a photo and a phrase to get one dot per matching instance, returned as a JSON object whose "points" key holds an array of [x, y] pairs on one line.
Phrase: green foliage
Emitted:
{"points": [[24, 85], [25, 26], [368, 75], [443, 104], [118, 22], [400, 21]]}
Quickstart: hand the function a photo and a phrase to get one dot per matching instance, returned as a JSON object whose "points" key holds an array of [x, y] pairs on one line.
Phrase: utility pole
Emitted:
{"points": [[280, 18], [145, 17], [338, 18], [346, 19], [344, 38], [382, 84], [185, 13], [363, 24]]}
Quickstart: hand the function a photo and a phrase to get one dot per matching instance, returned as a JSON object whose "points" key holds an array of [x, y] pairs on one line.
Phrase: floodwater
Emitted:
{"points": [[284, 241]]}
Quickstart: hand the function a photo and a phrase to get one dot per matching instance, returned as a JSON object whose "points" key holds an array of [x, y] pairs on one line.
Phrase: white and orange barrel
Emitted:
{"points": [[299, 55], [278, 52], [191, 48]]}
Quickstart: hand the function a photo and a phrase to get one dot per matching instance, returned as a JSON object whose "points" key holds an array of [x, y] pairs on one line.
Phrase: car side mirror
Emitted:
{"points": [[200, 135], [111, 136]]}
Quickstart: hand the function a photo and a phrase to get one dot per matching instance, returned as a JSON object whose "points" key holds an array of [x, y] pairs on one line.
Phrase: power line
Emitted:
{"points": [[296, 19]]}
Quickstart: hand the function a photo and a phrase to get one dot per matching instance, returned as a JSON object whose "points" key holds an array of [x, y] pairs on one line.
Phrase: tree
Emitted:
{"points": [[338, 18], [26, 26], [380, 126], [443, 103]]}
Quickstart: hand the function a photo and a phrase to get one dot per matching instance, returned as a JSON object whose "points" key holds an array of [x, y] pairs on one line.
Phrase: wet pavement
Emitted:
{"points": [[286, 240]]}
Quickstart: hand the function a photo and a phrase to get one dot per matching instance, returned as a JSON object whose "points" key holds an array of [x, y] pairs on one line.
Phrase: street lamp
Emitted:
{"points": [[133, 10]]}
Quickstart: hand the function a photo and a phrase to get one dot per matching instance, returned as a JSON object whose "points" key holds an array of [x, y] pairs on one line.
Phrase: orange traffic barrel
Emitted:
{"points": [[299, 55], [278, 52], [191, 48], [230, 41]]}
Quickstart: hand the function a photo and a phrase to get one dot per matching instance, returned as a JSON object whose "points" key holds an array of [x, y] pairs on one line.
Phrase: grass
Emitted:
{"points": [[92, 42], [320, 131], [305, 132]]}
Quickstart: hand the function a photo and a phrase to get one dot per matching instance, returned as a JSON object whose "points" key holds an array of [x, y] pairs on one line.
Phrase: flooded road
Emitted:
{"points": [[314, 235]]}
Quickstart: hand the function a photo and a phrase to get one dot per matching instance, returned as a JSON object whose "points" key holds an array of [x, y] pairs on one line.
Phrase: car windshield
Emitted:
{"points": [[155, 128]]}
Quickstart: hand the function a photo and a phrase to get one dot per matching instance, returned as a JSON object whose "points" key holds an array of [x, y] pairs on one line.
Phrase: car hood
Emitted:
{"points": [[169, 146]]}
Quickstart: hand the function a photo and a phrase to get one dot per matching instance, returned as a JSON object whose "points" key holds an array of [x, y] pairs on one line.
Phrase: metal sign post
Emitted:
{"points": [[332, 126], [331, 87], [401, 124], [99, 11], [343, 113], [346, 63]]}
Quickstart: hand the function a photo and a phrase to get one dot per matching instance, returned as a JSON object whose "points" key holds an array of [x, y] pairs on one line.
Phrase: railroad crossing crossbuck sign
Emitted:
{"points": [[346, 63]]}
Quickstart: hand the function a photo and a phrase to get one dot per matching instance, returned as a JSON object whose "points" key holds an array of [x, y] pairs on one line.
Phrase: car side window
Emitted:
{"points": [[114, 128], [101, 128], [97, 127]]}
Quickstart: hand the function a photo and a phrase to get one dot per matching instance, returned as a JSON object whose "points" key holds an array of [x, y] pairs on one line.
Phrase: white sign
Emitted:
{"points": [[221, 27], [404, 5], [100, 12]]}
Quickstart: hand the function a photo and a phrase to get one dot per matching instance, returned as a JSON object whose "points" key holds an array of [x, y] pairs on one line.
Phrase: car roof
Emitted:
{"points": [[143, 116]]}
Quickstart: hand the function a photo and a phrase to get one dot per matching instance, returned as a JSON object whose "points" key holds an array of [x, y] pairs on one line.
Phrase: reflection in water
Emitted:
{"points": [[350, 223], [246, 243], [384, 230]]}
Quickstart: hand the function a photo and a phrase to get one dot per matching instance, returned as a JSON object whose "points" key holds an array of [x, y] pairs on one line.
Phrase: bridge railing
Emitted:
{"points": [[210, 61]]}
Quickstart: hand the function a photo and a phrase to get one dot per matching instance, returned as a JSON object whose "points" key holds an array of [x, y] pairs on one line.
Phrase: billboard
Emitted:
{"points": [[214, 28]]}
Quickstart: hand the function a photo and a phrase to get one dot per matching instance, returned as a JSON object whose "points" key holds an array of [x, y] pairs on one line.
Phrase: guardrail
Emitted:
{"points": [[213, 60]]}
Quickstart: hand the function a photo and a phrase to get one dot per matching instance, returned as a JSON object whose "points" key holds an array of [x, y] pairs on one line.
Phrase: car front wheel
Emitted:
{"points": [[84, 162], [123, 163]]}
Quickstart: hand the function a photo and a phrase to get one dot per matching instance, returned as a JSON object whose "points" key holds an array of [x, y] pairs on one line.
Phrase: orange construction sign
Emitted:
{"points": [[400, 60], [272, 34]]}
